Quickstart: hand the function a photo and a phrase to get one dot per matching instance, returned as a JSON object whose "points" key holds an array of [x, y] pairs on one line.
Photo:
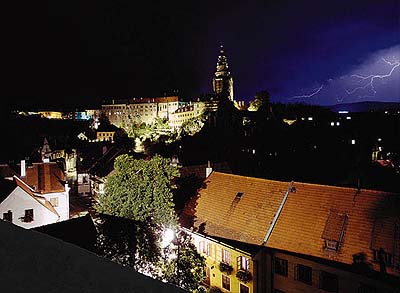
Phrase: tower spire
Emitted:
{"points": [[222, 80]]}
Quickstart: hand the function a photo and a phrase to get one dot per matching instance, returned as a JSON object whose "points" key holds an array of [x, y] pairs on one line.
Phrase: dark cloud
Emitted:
{"points": [[73, 51]]}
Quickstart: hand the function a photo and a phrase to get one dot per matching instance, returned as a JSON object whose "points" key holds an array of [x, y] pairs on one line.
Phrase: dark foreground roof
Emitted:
{"points": [[38, 263]]}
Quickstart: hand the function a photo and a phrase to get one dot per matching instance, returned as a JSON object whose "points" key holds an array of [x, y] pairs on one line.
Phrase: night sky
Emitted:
{"points": [[79, 52]]}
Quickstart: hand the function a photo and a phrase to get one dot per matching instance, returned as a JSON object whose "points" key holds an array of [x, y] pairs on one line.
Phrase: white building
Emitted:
{"points": [[140, 110], [38, 197], [185, 113]]}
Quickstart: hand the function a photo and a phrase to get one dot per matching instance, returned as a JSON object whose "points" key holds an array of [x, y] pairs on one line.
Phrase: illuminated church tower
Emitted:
{"points": [[222, 81]]}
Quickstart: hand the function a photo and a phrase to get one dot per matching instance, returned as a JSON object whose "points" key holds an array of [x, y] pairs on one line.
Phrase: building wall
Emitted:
{"points": [[105, 135], [141, 110], [347, 281], [18, 201], [180, 116], [60, 201], [214, 257]]}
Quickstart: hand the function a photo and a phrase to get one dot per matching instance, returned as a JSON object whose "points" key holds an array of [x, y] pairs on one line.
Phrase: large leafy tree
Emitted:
{"points": [[140, 190], [186, 269]]}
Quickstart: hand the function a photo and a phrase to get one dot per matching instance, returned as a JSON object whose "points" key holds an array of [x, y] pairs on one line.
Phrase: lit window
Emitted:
{"points": [[226, 256], [337, 123], [204, 247], [243, 263], [226, 282], [54, 201], [332, 123], [331, 244], [353, 141]]}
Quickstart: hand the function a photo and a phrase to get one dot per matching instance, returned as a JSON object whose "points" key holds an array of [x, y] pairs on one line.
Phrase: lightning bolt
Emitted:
{"points": [[316, 91], [370, 79]]}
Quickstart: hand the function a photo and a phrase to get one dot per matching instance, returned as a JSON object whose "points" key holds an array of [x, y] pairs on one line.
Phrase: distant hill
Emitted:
{"points": [[365, 107]]}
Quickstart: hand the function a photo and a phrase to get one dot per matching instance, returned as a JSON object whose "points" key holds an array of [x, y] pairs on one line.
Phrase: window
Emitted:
{"points": [[331, 244], [362, 288], [7, 216], [244, 289], [379, 255], [54, 201], [328, 282], [226, 256], [204, 247], [207, 279], [226, 282], [304, 274], [281, 266], [28, 216], [333, 233], [243, 263]]}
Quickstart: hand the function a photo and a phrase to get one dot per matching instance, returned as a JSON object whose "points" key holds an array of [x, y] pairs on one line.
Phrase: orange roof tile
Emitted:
{"points": [[45, 177], [218, 212], [315, 212]]}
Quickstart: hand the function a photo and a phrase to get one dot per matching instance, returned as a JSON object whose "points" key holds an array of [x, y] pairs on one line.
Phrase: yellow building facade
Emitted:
{"points": [[228, 268]]}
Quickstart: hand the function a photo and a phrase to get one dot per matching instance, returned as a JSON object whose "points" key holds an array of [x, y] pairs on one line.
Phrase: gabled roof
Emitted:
{"points": [[29, 191], [219, 211], [315, 213]]}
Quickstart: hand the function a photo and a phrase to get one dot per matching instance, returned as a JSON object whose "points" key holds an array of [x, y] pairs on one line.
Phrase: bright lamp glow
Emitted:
{"points": [[167, 237]]}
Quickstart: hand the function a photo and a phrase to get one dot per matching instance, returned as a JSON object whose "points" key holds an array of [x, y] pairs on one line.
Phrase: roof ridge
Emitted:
{"points": [[248, 177], [349, 188]]}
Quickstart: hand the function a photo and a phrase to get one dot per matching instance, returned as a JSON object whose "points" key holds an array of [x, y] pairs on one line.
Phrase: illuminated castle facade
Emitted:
{"points": [[222, 81]]}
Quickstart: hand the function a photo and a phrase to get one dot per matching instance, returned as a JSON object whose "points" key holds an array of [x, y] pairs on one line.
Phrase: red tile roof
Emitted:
{"points": [[315, 212], [217, 211], [45, 177], [41, 200]]}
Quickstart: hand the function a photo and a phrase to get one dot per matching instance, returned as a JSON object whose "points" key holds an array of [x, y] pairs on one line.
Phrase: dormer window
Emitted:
{"points": [[331, 244], [239, 195], [334, 230]]}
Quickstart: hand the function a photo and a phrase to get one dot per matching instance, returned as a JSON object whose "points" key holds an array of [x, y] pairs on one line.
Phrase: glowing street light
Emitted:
{"points": [[167, 237]]}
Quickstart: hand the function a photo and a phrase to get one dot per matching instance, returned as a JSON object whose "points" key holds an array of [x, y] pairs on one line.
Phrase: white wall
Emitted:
{"points": [[19, 201], [63, 203]]}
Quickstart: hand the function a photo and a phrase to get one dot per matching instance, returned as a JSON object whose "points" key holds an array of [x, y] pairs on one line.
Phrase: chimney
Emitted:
{"points": [[208, 169], [23, 168]]}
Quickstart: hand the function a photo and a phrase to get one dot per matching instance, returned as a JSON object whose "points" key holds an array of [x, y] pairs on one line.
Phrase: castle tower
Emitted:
{"points": [[222, 81]]}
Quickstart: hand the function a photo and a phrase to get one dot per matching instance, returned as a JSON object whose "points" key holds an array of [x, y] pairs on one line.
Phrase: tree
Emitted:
{"points": [[186, 270], [140, 190], [129, 243]]}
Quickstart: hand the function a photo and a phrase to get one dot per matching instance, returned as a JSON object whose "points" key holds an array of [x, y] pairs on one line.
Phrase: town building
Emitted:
{"points": [[38, 196], [296, 237], [140, 110], [185, 114]]}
